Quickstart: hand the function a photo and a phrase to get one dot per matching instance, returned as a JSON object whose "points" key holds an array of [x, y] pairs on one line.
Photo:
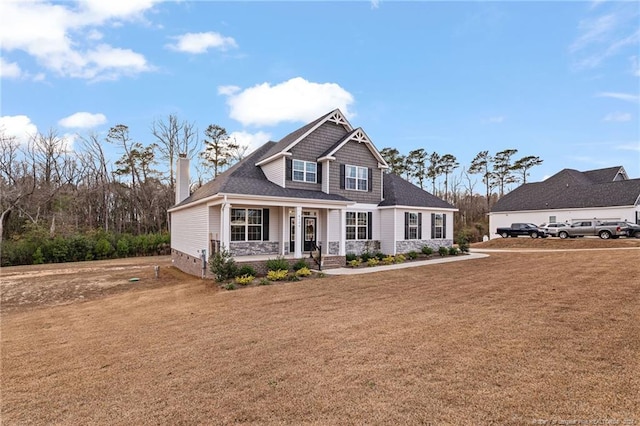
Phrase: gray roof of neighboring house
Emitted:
{"points": [[245, 178], [572, 189], [399, 192]]}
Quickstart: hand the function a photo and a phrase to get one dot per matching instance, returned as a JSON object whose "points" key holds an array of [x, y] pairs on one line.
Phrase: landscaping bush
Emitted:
{"points": [[380, 255], [427, 250], [443, 251], [412, 255], [245, 270], [453, 251], [366, 256], [400, 258], [303, 272], [351, 256], [463, 244], [277, 275], [354, 263], [277, 264], [373, 261], [222, 265], [387, 260], [244, 279], [300, 264]]}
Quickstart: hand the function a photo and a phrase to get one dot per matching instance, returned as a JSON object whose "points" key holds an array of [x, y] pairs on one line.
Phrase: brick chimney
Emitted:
{"points": [[182, 178]]}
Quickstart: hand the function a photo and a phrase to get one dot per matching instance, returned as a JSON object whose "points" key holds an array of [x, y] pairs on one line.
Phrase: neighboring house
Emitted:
{"points": [[570, 195], [322, 185]]}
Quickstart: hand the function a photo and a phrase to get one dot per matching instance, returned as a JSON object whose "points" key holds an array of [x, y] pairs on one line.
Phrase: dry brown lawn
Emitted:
{"points": [[515, 338]]}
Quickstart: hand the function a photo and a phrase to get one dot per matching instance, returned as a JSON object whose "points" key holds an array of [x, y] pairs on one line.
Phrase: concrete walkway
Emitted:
{"points": [[412, 264]]}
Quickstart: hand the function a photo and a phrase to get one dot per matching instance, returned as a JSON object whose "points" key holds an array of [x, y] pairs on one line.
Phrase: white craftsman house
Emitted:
{"points": [[569, 195], [322, 187]]}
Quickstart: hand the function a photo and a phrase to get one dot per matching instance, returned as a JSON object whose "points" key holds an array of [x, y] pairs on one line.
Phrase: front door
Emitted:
{"points": [[309, 233]]}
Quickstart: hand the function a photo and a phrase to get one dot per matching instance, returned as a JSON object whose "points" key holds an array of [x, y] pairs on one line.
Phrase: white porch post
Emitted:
{"points": [[343, 231], [284, 215], [225, 226], [298, 242]]}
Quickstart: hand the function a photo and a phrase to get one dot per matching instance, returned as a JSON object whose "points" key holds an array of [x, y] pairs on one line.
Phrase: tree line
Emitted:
{"points": [[49, 190], [436, 173]]}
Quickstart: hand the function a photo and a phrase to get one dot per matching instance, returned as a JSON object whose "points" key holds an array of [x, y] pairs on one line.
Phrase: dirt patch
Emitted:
{"points": [[33, 286]]}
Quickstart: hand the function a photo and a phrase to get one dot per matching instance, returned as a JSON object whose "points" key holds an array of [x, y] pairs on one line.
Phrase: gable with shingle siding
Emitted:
{"points": [[356, 154]]}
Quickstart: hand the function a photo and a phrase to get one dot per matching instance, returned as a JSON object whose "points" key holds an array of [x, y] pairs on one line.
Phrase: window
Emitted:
{"points": [[438, 225], [412, 226], [356, 178], [358, 225], [246, 225], [304, 171]]}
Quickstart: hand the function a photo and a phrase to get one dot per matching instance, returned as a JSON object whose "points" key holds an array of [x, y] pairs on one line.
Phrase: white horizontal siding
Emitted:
{"points": [[274, 171], [190, 230]]}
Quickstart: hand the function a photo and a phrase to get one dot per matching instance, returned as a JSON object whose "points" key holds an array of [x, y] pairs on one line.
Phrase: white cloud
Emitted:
{"points": [[600, 37], [617, 116], [621, 96], [83, 120], [251, 140], [496, 119], [62, 36], [201, 42], [228, 90], [629, 146], [635, 66], [294, 100], [9, 69], [18, 126]]}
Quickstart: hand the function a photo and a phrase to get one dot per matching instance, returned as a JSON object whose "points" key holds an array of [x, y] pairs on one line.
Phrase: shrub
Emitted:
{"points": [[400, 258], [264, 281], [103, 248], [277, 275], [59, 250], [38, 259], [443, 251], [387, 260], [303, 272], [453, 251], [300, 264], [123, 247], [245, 270], [366, 256], [293, 277], [222, 265], [354, 263], [230, 286], [412, 255], [373, 261], [427, 250], [277, 264], [244, 279], [351, 256], [380, 255], [463, 244]]}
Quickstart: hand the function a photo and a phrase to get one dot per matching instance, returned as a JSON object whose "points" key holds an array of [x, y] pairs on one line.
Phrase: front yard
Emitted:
{"points": [[516, 338]]}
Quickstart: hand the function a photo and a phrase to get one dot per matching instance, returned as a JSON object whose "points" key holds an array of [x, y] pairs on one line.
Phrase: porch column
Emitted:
{"points": [[225, 226], [298, 251], [343, 232], [284, 224]]}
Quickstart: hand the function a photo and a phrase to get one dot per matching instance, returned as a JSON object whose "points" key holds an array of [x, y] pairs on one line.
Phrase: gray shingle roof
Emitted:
{"points": [[399, 192], [245, 178], [572, 189]]}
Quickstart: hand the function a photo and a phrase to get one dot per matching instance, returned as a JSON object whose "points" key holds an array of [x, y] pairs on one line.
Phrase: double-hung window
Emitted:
{"points": [[412, 226], [358, 225], [356, 178], [305, 171], [438, 223], [246, 225]]}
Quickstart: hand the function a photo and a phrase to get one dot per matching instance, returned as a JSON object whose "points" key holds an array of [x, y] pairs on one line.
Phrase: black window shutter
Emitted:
{"points": [[419, 226], [265, 224], [370, 179], [289, 170], [433, 225], [369, 225], [444, 226], [406, 225], [342, 176], [319, 172]]}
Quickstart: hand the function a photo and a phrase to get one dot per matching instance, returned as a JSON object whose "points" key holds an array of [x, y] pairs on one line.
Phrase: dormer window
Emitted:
{"points": [[305, 171], [356, 178]]}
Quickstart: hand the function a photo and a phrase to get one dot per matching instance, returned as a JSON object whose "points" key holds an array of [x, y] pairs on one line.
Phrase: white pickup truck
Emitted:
{"points": [[584, 228]]}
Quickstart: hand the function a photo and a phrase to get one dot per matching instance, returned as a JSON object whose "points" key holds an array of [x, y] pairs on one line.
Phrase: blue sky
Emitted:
{"points": [[560, 80]]}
